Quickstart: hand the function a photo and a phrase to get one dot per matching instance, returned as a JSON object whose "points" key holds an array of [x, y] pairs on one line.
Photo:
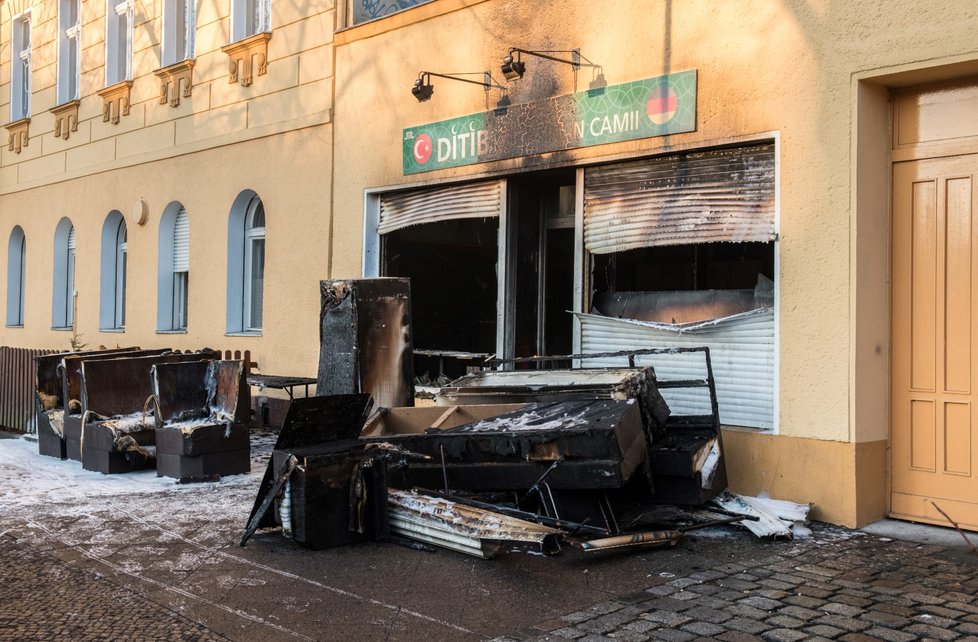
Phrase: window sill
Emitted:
{"points": [[248, 57], [15, 325], [244, 333], [18, 134], [62, 328], [177, 80], [116, 330], [184, 331]]}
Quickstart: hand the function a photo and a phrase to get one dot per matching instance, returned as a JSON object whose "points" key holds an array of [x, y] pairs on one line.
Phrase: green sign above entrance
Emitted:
{"points": [[641, 109]]}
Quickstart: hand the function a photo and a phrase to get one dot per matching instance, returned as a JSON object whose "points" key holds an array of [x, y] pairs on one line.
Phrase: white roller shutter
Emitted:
{"points": [[181, 243], [741, 351], [697, 197], [474, 200], [72, 242]]}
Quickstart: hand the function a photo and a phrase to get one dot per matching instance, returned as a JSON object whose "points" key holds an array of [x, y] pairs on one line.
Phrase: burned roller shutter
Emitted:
{"points": [[474, 200], [697, 197], [657, 216]]}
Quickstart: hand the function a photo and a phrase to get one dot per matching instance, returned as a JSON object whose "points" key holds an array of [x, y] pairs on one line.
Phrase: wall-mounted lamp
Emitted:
{"points": [[513, 69], [423, 89]]}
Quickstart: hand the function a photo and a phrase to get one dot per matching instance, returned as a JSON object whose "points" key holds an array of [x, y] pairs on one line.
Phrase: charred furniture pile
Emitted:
{"points": [[129, 409]]}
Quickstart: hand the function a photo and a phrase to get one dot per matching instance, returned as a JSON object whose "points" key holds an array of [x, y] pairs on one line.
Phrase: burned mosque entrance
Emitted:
{"points": [[670, 251]]}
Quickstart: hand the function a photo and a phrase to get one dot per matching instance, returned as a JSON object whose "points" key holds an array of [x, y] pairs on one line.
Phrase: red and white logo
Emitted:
{"points": [[422, 149], [661, 106]]}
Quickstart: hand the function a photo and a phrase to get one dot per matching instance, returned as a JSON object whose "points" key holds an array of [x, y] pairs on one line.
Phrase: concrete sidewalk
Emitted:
{"points": [[85, 556]]}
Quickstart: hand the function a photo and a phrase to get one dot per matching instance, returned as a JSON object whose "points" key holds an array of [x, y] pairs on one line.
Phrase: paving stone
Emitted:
{"points": [[891, 635], [895, 609], [857, 637], [783, 635], [933, 620], [641, 625], [841, 609], [923, 598], [706, 614], [810, 590], [933, 632], [842, 622], [662, 590], [799, 612], [943, 611], [852, 600], [683, 582], [668, 604], [746, 625], [672, 635], [804, 601], [746, 611], [885, 619], [824, 630], [737, 585], [669, 619], [629, 636], [784, 622], [762, 603], [704, 628], [738, 636], [776, 584], [968, 628], [569, 633]]}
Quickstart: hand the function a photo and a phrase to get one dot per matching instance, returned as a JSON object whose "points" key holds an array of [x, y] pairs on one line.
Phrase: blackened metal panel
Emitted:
{"points": [[122, 386], [365, 340], [694, 197], [471, 200], [313, 420], [71, 369]]}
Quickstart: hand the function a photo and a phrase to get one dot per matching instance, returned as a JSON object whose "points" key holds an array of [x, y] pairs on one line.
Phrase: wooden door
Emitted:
{"points": [[934, 409]]}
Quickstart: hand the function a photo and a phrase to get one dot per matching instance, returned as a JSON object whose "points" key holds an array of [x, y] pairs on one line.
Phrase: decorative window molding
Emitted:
{"points": [[175, 81], [69, 50], [20, 67], [115, 101], [18, 134], [65, 119], [247, 58]]}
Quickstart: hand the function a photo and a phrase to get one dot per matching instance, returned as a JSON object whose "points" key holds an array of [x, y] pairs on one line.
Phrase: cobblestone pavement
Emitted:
{"points": [[857, 589], [85, 556]]}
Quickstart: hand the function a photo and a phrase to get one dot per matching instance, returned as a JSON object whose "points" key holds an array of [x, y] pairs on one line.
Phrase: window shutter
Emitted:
{"points": [[474, 200], [181, 243], [71, 239], [697, 197]]}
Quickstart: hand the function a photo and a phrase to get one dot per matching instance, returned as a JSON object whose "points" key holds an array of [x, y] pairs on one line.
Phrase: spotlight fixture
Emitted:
{"points": [[513, 69], [423, 89]]}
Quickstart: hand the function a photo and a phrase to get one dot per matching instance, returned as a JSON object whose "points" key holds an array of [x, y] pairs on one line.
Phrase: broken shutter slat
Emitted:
{"points": [[181, 243], [72, 239], [473, 200], [698, 197], [741, 350]]}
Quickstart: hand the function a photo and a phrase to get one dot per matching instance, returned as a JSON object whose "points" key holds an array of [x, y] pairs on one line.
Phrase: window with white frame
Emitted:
{"points": [[179, 27], [16, 263], [246, 264], [20, 74], [63, 291], [69, 46], [112, 310], [174, 269], [249, 17], [118, 41]]}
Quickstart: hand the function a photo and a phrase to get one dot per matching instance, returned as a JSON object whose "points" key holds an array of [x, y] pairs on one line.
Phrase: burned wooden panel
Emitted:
{"points": [[564, 385], [365, 340], [228, 381], [122, 386], [180, 389], [574, 444], [71, 370]]}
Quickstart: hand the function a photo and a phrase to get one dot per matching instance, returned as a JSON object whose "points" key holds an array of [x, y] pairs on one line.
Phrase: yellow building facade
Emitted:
{"points": [[762, 177], [138, 110]]}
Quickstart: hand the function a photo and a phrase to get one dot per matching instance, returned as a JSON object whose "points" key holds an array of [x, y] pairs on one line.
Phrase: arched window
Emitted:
{"points": [[63, 291], [174, 269], [16, 260], [112, 308], [246, 264]]}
